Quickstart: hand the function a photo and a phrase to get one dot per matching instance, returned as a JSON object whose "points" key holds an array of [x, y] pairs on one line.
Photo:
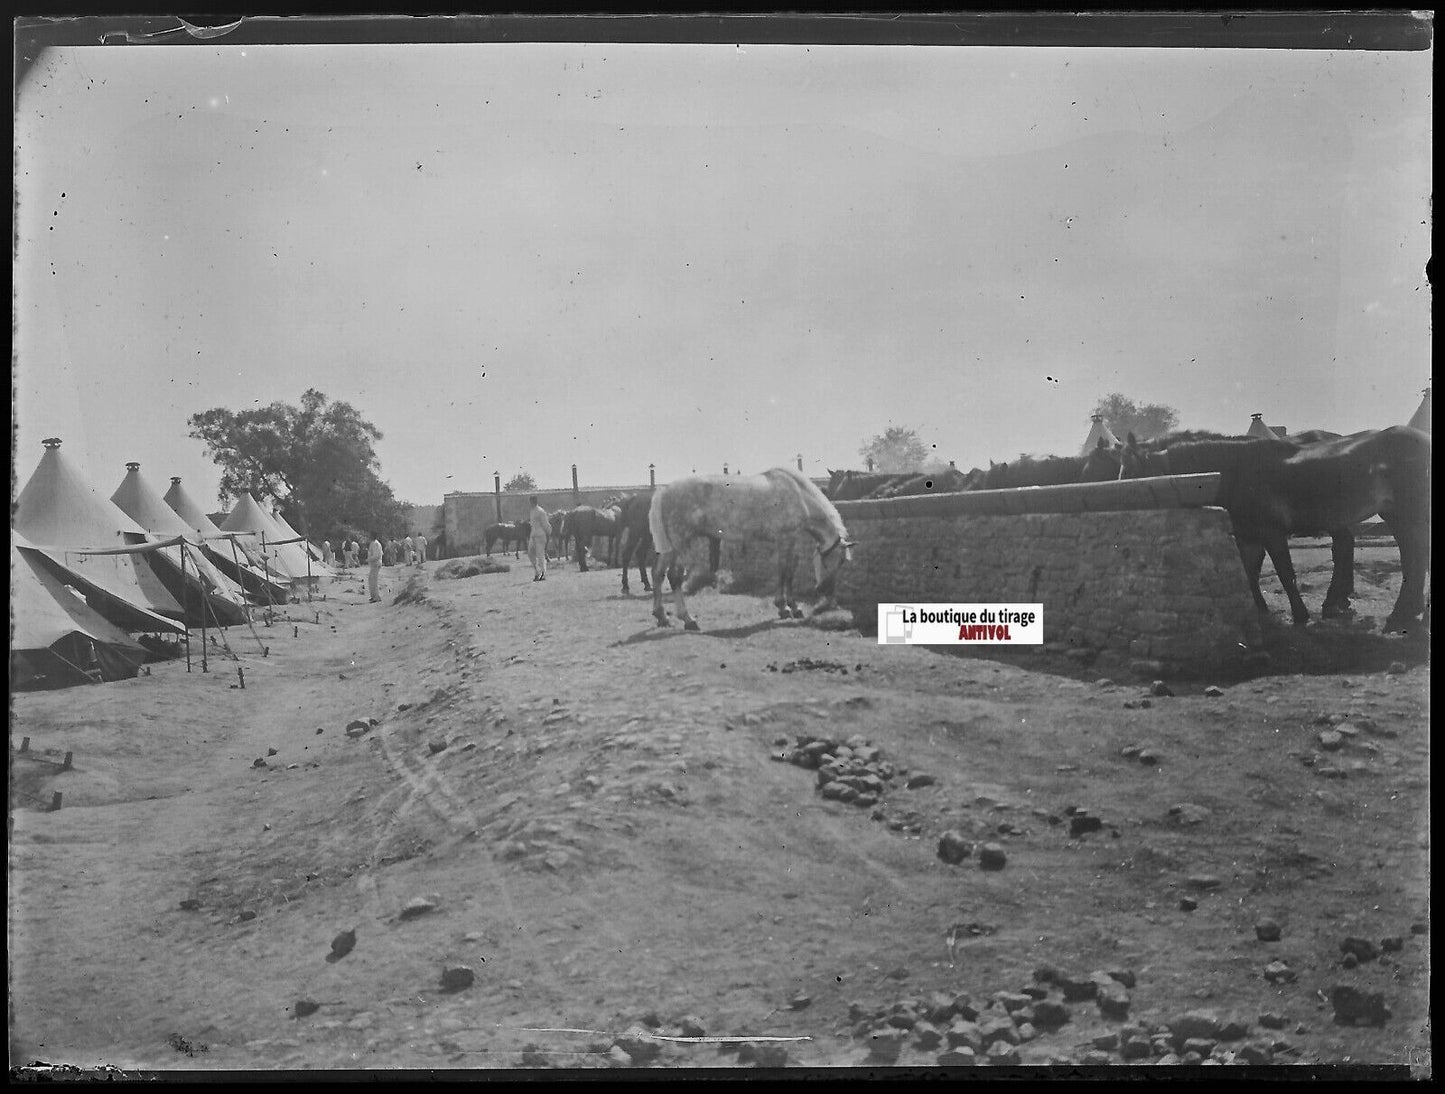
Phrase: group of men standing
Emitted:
{"points": [[409, 552]]}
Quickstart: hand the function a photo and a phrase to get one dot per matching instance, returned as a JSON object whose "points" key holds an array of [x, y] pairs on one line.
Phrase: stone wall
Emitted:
{"points": [[1143, 571], [468, 515]]}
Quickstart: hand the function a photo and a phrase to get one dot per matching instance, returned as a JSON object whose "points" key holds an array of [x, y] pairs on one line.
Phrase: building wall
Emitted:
{"points": [[1161, 584], [468, 515]]}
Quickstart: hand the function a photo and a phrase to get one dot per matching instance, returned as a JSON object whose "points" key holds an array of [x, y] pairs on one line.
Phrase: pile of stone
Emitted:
{"points": [[1196, 1037], [808, 664], [852, 771]]}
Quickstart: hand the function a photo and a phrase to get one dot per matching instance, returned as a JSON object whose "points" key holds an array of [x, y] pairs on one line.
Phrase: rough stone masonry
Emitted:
{"points": [[1162, 584]]}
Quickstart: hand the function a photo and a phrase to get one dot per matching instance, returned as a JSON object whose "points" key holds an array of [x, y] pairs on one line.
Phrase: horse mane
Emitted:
{"points": [[815, 503]]}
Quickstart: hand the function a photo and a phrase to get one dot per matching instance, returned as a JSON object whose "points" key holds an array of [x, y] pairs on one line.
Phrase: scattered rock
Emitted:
{"points": [[1148, 757], [1080, 823], [305, 1007], [1195, 1024], [1233, 1030], [1161, 689], [927, 1036], [258, 762], [1002, 1054], [998, 1029], [1013, 1000], [991, 856], [800, 1001], [245, 916], [954, 847], [964, 1034], [1331, 740], [270, 752], [1362, 948], [1271, 1020], [1113, 999], [357, 728], [1256, 1052], [957, 1057], [1187, 813], [1214, 691], [1202, 882], [917, 781], [342, 945], [434, 747], [1277, 972], [1050, 1015], [457, 978], [1350, 961], [190, 904], [417, 905], [1187, 904], [1267, 930], [1124, 976], [1131, 752], [1075, 990], [1395, 668], [1392, 944], [1095, 1058]]}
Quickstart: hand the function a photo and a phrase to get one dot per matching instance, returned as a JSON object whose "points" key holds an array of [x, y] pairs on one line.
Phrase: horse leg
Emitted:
{"points": [[629, 545], [581, 553], [658, 612], [1277, 544], [1413, 539], [1342, 583]]}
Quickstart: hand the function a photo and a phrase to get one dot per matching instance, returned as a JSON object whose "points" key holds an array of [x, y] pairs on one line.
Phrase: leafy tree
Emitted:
{"points": [[1122, 415], [519, 482], [317, 461], [898, 449]]}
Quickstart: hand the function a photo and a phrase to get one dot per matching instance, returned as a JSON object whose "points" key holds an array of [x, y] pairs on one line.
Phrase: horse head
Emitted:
{"points": [[828, 559]]}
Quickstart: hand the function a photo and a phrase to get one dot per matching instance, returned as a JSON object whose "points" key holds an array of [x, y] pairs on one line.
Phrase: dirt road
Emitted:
{"points": [[593, 816]]}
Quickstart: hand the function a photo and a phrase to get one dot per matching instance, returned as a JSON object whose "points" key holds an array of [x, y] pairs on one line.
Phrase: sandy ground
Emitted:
{"points": [[594, 810]]}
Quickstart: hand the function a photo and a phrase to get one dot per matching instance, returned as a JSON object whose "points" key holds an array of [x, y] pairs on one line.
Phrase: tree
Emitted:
{"points": [[519, 482], [1122, 415], [317, 461], [898, 449]]}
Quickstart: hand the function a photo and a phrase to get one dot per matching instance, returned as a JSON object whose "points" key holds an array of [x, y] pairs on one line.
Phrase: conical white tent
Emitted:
{"points": [[317, 566], [62, 515], [284, 558], [1098, 432], [56, 638], [223, 599], [231, 556], [1421, 418], [1257, 428]]}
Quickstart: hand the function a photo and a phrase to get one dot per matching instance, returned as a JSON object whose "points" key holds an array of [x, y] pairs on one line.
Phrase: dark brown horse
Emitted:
{"points": [[1103, 464], [585, 523], [1033, 471], [509, 535], [1273, 488], [557, 540], [855, 485]]}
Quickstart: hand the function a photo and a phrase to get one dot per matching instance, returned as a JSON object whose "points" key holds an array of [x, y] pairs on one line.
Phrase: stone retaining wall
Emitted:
{"points": [[1142, 571]]}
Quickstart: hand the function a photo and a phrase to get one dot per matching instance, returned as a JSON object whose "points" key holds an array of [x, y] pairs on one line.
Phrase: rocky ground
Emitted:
{"points": [[496, 823]]}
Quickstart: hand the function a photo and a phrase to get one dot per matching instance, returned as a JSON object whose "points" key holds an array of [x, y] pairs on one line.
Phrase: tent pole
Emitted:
{"points": [[185, 597], [266, 564], [205, 603]]}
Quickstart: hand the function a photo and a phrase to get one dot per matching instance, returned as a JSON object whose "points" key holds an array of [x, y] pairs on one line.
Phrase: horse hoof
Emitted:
{"points": [[691, 625], [663, 622], [797, 613], [783, 613]]}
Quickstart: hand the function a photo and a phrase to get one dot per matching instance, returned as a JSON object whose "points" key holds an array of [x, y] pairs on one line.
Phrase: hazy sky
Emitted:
{"points": [[524, 256]]}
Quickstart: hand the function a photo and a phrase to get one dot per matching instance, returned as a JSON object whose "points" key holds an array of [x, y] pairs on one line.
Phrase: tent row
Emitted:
{"points": [[89, 573]]}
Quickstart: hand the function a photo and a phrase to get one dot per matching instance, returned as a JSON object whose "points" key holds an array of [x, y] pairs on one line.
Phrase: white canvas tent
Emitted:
{"points": [[318, 568], [198, 585], [284, 558], [62, 516], [1098, 432], [233, 556], [1421, 418], [1257, 428], [57, 639]]}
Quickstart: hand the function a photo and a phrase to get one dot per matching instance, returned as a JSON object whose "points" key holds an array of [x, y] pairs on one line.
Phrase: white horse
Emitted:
{"points": [[777, 505]]}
